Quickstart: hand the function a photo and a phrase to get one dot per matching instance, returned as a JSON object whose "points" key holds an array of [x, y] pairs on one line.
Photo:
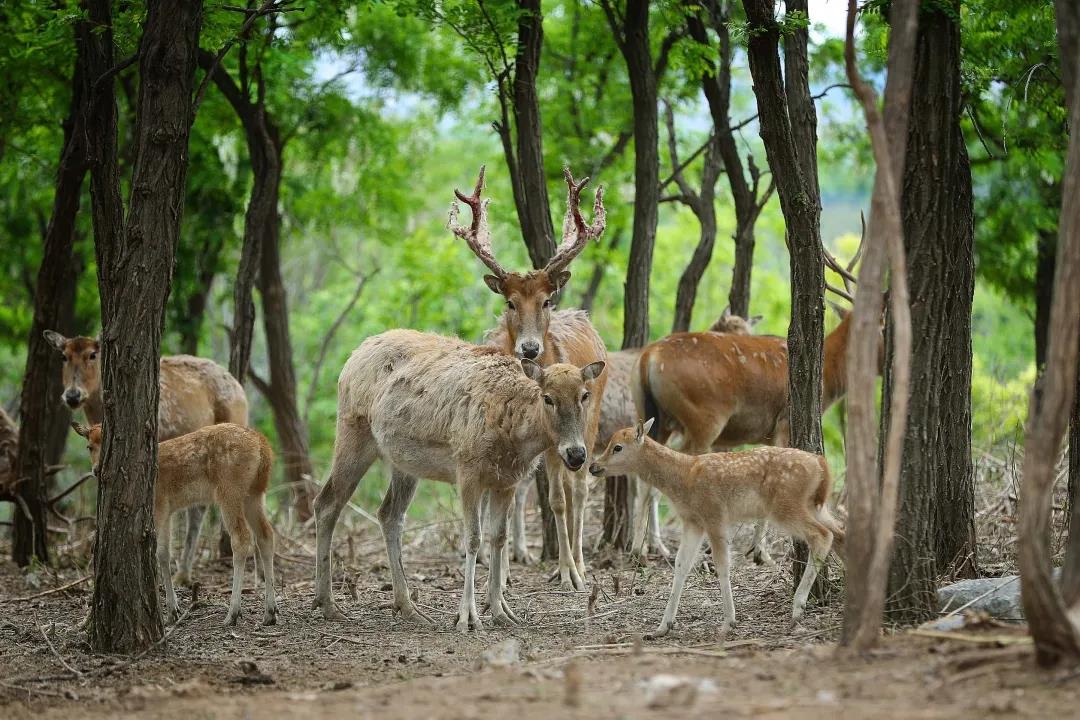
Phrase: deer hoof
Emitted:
{"points": [[662, 631]]}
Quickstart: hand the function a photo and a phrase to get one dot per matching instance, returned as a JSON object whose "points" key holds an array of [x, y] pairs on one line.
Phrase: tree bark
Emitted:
{"points": [[935, 528], [135, 259], [1046, 248], [788, 131], [43, 418]]}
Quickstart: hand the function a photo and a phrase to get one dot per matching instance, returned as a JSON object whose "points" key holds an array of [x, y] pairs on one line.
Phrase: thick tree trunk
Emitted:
{"points": [[43, 418], [935, 529], [135, 261], [639, 65], [788, 131]]}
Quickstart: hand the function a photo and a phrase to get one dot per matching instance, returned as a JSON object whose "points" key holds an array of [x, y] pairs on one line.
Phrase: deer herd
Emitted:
{"points": [[541, 392]]}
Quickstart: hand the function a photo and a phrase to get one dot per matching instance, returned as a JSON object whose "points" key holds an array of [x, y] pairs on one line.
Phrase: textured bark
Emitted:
{"points": [[43, 418], [788, 131], [935, 529], [1046, 248], [616, 528], [872, 497], [135, 259]]}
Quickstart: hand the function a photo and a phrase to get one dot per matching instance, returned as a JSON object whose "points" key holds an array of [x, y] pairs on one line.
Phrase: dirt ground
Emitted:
{"points": [[570, 661]]}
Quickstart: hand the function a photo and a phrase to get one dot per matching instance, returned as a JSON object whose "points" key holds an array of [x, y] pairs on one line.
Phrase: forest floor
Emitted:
{"points": [[568, 660]]}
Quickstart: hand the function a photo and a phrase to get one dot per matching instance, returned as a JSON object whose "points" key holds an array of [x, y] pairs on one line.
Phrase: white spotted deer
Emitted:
{"points": [[439, 408], [193, 392], [532, 329]]}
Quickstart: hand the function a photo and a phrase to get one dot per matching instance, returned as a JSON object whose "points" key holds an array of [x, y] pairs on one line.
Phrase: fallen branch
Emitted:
{"points": [[71, 584]]}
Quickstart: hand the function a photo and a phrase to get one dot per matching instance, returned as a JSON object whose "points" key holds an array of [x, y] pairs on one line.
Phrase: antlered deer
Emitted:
{"points": [[721, 391], [439, 408], [226, 465], [532, 329], [194, 392], [713, 492], [617, 411]]}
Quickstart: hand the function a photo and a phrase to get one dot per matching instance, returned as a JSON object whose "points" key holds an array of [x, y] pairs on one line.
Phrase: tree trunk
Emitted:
{"points": [[135, 260], [616, 524], [788, 131], [636, 52], [43, 418], [1046, 248], [935, 528]]}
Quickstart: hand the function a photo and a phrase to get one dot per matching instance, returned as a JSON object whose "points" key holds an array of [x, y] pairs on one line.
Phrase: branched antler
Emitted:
{"points": [[477, 236], [576, 234]]}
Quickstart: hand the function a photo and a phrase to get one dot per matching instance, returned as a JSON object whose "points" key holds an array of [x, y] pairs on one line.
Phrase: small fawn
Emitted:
{"points": [[226, 465], [712, 492]]}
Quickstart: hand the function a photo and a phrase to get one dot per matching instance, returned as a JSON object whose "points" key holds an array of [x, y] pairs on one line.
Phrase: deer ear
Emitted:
{"points": [[840, 310], [645, 428], [533, 371], [55, 339], [560, 279], [80, 429], [727, 312], [495, 283], [755, 320], [593, 370]]}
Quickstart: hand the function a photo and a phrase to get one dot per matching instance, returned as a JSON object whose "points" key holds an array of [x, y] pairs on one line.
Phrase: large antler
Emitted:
{"points": [[477, 235], [576, 234]]}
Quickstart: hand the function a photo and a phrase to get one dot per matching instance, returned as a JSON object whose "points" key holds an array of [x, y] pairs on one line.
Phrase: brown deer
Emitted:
{"points": [[713, 492], [721, 391], [194, 392], [226, 465], [532, 329], [617, 411], [440, 408]]}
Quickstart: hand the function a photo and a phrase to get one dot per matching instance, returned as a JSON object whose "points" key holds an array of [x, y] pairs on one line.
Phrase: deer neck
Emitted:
{"points": [[534, 436], [93, 408], [663, 468], [834, 371]]}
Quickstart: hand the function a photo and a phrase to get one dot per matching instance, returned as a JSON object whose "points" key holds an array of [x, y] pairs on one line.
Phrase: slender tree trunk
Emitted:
{"points": [[788, 131], [635, 49], [135, 261], [43, 418], [935, 529], [1046, 248], [686, 294]]}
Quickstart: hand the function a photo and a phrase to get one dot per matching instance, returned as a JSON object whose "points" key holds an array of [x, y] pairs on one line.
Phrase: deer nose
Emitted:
{"points": [[575, 457], [72, 397], [530, 349], [596, 470]]}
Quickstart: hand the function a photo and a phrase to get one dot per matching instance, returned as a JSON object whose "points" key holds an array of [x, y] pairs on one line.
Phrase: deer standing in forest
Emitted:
{"points": [[721, 391], [440, 408], [226, 465], [193, 392], [713, 492], [617, 411], [532, 329]]}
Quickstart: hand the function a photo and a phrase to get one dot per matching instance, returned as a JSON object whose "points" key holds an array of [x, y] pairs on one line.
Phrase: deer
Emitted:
{"points": [[227, 465], [712, 492], [439, 408], [193, 392], [721, 391], [532, 329], [617, 410]]}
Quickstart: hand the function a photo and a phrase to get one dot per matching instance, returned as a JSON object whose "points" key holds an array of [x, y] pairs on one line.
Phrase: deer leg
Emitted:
{"points": [[165, 568], [241, 546], [263, 532], [642, 494], [722, 560], [501, 502], [485, 530], [656, 543], [819, 538], [392, 519], [194, 515], [354, 451], [684, 561], [569, 577], [758, 549], [521, 552], [580, 489], [468, 617]]}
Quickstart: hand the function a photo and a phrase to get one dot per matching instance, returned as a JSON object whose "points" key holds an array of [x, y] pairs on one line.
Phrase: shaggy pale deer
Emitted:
{"points": [[721, 391], [439, 408], [617, 411], [225, 465], [532, 329], [713, 492], [194, 392]]}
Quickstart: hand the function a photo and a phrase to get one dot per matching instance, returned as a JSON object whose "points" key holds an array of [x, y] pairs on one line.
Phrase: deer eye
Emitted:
{"points": [[617, 448], [585, 397], [547, 303], [548, 400], [510, 305], [93, 356]]}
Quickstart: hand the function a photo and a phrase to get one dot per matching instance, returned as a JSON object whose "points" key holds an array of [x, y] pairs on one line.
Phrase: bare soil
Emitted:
{"points": [[580, 654]]}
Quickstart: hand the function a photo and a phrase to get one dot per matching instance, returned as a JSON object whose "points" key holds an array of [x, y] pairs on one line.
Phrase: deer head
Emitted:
{"points": [[93, 441], [731, 324], [529, 296], [566, 397], [621, 455], [82, 372]]}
